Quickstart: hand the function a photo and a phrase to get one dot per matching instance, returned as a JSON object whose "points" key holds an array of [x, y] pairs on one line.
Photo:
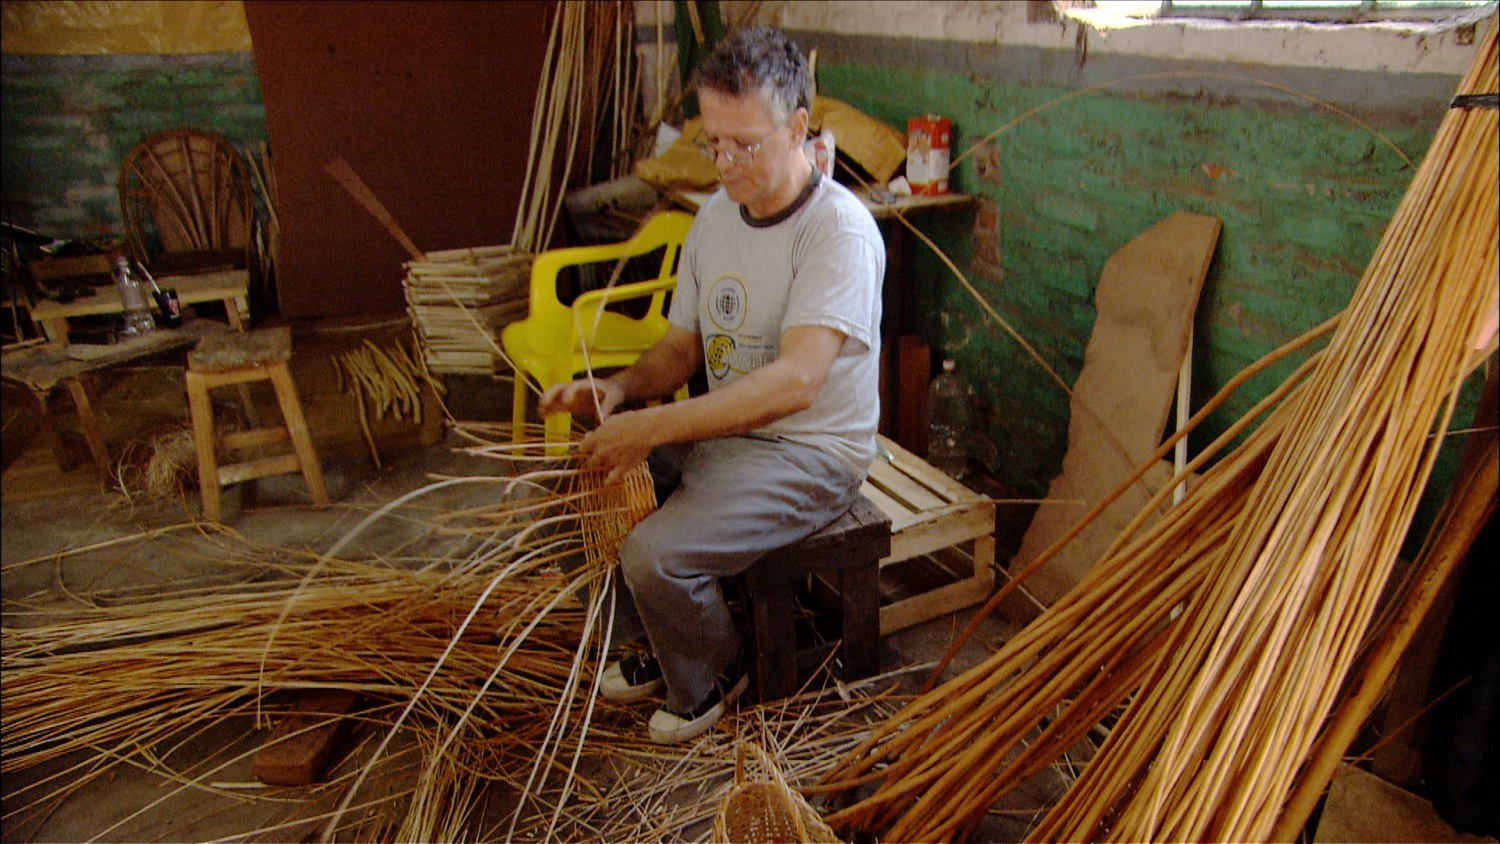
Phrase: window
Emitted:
{"points": [[1330, 11]]}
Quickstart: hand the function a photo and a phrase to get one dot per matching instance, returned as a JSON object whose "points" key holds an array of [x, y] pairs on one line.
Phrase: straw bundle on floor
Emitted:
{"points": [[1277, 560], [160, 469]]}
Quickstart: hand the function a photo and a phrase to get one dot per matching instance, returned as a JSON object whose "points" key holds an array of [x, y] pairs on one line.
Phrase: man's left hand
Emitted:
{"points": [[619, 443]]}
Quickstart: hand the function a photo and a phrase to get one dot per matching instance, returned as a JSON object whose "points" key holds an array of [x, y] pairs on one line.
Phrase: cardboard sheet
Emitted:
{"points": [[1147, 295]]}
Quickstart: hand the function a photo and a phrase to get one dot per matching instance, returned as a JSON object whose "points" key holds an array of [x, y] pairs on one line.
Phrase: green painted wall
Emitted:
{"points": [[1091, 155], [69, 120]]}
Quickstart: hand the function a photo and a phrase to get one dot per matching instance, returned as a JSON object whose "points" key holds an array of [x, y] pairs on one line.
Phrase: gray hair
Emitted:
{"points": [[762, 60]]}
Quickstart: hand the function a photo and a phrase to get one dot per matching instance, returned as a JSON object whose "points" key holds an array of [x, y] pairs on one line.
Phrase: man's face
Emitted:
{"points": [[743, 126]]}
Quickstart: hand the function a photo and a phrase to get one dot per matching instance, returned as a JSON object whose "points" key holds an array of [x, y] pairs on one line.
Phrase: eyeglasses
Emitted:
{"points": [[734, 151]]}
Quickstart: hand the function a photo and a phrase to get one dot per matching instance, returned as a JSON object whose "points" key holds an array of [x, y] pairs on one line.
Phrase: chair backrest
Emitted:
{"points": [[186, 190], [664, 231]]}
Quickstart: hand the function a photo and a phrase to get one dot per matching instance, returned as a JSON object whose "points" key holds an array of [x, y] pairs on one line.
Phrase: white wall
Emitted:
{"points": [[1404, 48], [1443, 47]]}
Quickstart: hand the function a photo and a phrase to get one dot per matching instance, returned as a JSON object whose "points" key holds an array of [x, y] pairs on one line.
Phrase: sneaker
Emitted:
{"points": [[669, 727], [635, 677]]}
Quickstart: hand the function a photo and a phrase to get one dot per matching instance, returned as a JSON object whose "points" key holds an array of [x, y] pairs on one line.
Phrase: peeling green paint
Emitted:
{"points": [[69, 120]]}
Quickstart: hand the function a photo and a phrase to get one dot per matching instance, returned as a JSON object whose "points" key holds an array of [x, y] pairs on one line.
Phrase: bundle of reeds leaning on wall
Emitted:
{"points": [[1228, 628]]}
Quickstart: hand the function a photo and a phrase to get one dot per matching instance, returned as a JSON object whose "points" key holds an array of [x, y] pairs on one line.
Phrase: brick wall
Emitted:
{"points": [[68, 121], [1304, 194]]}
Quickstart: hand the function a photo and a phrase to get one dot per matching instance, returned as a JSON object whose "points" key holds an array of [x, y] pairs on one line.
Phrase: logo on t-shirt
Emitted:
{"points": [[719, 354], [727, 303]]}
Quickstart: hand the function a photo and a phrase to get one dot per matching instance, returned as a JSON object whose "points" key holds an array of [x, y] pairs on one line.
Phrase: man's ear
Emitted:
{"points": [[799, 122]]}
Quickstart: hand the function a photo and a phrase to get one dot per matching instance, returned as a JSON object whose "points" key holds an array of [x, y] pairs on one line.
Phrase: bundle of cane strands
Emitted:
{"points": [[1228, 628], [471, 623], [464, 635]]}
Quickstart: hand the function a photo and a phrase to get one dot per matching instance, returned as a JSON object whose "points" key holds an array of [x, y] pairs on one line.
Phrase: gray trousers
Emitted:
{"points": [[738, 499]]}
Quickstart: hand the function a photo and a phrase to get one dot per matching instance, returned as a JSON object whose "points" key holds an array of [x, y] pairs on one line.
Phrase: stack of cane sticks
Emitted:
{"points": [[460, 299]]}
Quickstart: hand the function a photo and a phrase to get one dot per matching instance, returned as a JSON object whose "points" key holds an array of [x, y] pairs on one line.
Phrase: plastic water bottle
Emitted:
{"points": [[133, 299], [949, 423]]}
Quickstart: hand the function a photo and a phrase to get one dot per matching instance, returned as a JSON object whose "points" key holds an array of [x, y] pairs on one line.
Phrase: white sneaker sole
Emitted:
{"points": [[666, 728], [612, 686]]}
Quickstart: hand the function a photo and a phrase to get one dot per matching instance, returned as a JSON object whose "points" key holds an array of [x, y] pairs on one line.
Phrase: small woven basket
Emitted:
{"points": [[762, 808]]}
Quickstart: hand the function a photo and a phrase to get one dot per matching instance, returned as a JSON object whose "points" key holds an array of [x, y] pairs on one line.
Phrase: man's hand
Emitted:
{"points": [[620, 441], [597, 398], [618, 444]]}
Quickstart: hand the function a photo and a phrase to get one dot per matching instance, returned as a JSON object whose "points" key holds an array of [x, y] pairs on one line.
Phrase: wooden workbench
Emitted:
{"points": [[232, 287], [38, 370]]}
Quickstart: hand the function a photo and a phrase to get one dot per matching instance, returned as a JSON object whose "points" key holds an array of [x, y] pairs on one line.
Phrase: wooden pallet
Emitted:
{"points": [[942, 540]]}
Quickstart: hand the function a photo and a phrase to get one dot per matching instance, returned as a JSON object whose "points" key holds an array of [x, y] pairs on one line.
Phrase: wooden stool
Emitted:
{"points": [[239, 358], [850, 550]]}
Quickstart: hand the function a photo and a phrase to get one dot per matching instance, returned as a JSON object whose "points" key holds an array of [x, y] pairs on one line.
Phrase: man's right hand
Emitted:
{"points": [[579, 397]]}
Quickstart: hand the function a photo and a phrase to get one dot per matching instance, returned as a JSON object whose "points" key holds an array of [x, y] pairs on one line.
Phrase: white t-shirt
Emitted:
{"points": [[743, 282]]}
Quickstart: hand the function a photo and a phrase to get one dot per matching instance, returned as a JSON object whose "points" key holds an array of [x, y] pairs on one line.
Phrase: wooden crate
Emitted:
{"points": [[942, 540]]}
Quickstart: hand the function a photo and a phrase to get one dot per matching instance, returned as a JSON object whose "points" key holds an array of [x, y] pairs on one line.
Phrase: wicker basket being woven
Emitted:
{"points": [[762, 808]]}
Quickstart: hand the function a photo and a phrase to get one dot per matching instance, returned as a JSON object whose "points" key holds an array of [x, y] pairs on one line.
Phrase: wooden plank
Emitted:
{"points": [[900, 515], [67, 266], [302, 745], [928, 536], [919, 469], [84, 400], [904, 487], [253, 438], [43, 367], [221, 357], [935, 602], [472, 252], [281, 464], [191, 289], [969, 579], [1147, 295]]}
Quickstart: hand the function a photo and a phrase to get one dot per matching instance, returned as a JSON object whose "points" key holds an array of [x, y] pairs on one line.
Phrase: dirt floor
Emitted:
{"points": [[198, 785]]}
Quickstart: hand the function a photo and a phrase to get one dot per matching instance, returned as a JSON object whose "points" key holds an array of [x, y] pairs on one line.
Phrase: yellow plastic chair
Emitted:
{"points": [[556, 342]]}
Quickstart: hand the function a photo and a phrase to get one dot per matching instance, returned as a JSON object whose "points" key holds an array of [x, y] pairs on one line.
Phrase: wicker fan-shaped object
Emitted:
{"points": [[192, 187], [609, 512], [762, 808]]}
